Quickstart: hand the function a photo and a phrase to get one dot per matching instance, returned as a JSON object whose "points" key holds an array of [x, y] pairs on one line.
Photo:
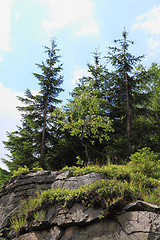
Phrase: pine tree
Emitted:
{"points": [[38, 133], [126, 96], [95, 82]]}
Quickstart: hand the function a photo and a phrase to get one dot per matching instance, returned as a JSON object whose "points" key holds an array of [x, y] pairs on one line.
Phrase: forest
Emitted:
{"points": [[112, 116]]}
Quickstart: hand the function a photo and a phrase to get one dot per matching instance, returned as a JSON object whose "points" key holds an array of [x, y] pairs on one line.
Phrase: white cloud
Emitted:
{"points": [[78, 74], [150, 22], [154, 43], [10, 116], [9, 102], [62, 13], [88, 28], [5, 24]]}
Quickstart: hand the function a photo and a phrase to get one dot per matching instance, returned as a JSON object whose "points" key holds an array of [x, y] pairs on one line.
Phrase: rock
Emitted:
{"points": [[20, 188], [141, 206], [63, 175], [106, 229], [77, 215], [121, 229], [54, 234], [77, 182], [139, 220]]}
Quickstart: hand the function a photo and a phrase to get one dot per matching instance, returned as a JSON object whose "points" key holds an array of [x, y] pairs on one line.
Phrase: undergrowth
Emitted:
{"points": [[24, 170], [122, 183]]}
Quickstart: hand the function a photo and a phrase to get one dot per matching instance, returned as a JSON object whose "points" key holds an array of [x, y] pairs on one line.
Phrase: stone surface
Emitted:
{"points": [[77, 182], [54, 234], [134, 222], [77, 215], [20, 188], [142, 206], [138, 220]]}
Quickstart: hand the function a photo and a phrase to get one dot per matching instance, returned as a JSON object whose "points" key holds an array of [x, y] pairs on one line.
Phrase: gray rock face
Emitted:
{"points": [[20, 188], [53, 234], [138, 220], [128, 226], [76, 182]]}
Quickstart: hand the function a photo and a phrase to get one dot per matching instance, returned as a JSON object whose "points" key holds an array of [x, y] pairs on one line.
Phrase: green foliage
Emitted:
{"points": [[128, 96], [36, 169], [34, 140], [146, 162], [110, 171], [21, 170], [84, 121], [54, 137], [122, 184], [24, 170], [4, 177], [30, 203], [39, 215], [17, 223], [79, 162]]}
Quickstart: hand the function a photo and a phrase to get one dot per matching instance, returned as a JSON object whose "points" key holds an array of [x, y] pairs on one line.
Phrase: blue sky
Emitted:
{"points": [[79, 27]]}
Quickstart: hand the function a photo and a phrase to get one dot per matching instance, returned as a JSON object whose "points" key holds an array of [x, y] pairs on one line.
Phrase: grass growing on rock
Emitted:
{"points": [[101, 193], [122, 184]]}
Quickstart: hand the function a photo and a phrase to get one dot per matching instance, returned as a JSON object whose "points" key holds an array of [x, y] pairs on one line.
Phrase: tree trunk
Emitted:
{"points": [[43, 132], [128, 125], [86, 152], [128, 113]]}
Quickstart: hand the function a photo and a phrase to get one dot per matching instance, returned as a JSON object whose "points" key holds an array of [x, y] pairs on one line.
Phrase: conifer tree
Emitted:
{"points": [[126, 96], [37, 133]]}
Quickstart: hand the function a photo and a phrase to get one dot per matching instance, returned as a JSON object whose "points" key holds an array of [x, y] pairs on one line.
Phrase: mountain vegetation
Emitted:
{"points": [[112, 116]]}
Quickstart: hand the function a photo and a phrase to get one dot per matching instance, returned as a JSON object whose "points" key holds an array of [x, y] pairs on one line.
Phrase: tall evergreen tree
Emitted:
{"points": [[126, 95], [40, 132], [95, 82]]}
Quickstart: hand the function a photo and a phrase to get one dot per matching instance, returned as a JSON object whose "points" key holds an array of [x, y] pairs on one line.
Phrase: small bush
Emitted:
{"points": [[21, 170], [146, 162], [36, 169]]}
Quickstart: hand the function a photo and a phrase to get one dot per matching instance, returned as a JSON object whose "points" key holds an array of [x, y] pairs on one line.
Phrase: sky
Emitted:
{"points": [[79, 27]]}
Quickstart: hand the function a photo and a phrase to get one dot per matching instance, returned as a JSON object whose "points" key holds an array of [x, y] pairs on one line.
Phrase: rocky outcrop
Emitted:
{"points": [[138, 220], [20, 188]]}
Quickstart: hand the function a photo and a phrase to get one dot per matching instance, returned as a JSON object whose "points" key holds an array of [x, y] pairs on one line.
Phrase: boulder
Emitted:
{"points": [[138, 220]]}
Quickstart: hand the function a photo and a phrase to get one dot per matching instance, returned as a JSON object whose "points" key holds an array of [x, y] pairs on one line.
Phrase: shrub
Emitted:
{"points": [[146, 162], [21, 170]]}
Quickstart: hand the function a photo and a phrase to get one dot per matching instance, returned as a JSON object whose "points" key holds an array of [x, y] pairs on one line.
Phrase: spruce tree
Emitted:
{"points": [[126, 94], [37, 133]]}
